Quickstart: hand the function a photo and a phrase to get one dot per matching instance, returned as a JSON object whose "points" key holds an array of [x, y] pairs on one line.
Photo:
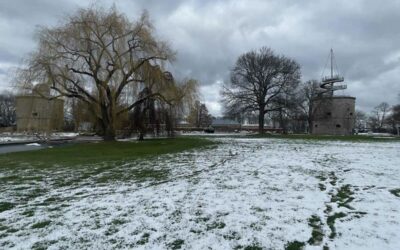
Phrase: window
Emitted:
{"points": [[351, 113], [34, 114], [328, 113], [338, 125], [316, 125]]}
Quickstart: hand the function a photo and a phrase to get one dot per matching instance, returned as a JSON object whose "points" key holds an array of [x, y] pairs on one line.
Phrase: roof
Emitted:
{"points": [[224, 122]]}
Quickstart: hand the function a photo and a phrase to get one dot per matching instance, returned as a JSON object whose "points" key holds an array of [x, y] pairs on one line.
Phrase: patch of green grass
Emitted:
{"points": [[358, 214], [144, 239], [295, 245], [4, 206], [175, 216], [9, 178], [176, 244], [232, 235], [41, 224], [253, 247], [255, 226], [42, 245], [132, 174], [3, 227], [12, 230], [195, 231], [100, 152], [3, 235], [333, 178], [331, 222], [32, 194], [354, 138], [215, 225], [110, 231], [344, 197], [201, 219], [118, 221], [328, 209], [317, 234], [52, 200], [258, 209], [395, 192]]}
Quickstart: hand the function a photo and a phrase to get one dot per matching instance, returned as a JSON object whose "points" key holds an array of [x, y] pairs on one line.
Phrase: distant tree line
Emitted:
{"points": [[265, 86], [383, 118]]}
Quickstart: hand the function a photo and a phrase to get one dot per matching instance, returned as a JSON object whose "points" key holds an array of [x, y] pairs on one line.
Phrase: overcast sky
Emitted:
{"points": [[209, 35]]}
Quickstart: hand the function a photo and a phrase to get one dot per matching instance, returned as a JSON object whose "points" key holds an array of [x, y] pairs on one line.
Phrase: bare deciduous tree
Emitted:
{"points": [[379, 114], [360, 120], [284, 108], [258, 78], [394, 119], [307, 93], [98, 56], [199, 116], [7, 109]]}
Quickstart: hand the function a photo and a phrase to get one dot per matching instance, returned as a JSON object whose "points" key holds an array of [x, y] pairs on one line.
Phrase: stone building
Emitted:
{"points": [[36, 112], [225, 125], [333, 115]]}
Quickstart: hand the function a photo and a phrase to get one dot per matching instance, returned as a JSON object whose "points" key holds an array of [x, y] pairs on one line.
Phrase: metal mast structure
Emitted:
{"points": [[328, 82]]}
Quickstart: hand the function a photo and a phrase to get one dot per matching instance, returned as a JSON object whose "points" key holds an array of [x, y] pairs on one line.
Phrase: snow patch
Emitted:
{"points": [[244, 192]]}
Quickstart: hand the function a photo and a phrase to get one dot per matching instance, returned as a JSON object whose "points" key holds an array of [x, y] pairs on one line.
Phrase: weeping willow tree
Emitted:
{"points": [[100, 57], [173, 97]]}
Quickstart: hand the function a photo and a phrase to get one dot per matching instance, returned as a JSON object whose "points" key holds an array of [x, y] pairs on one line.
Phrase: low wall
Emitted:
{"points": [[8, 129]]}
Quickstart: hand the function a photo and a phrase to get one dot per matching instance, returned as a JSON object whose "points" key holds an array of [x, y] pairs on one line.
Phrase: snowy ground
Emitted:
{"points": [[4, 139], [20, 137], [265, 193]]}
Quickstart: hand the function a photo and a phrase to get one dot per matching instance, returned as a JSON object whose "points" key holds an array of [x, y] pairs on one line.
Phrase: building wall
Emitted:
{"points": [[333, 115], [226, 128], [37, 114]]}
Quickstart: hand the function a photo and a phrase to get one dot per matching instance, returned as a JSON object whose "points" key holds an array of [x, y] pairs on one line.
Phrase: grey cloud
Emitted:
{"points": [[210, 35], [7, 56], [38, 10]]}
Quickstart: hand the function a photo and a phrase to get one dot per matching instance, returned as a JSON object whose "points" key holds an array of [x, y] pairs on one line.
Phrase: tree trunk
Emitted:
{"points": [[282, 122], [310, 125], [109, 133], [261, 122], [171, 110], [107, 123], [141, 136], [310, 116]]}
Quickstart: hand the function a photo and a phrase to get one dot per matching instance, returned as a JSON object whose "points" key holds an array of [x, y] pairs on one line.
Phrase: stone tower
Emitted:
{"points": [[332, 114], [37, 112]]}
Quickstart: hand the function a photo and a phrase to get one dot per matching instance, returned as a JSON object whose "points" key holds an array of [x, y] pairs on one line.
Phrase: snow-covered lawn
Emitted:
{"points": [[266, 193], [4, 139], [20, 137]]}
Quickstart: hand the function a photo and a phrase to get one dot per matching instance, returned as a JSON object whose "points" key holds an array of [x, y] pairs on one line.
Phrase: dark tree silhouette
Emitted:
{"points": [[308, 92], [257, 79], [7, 109]]}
